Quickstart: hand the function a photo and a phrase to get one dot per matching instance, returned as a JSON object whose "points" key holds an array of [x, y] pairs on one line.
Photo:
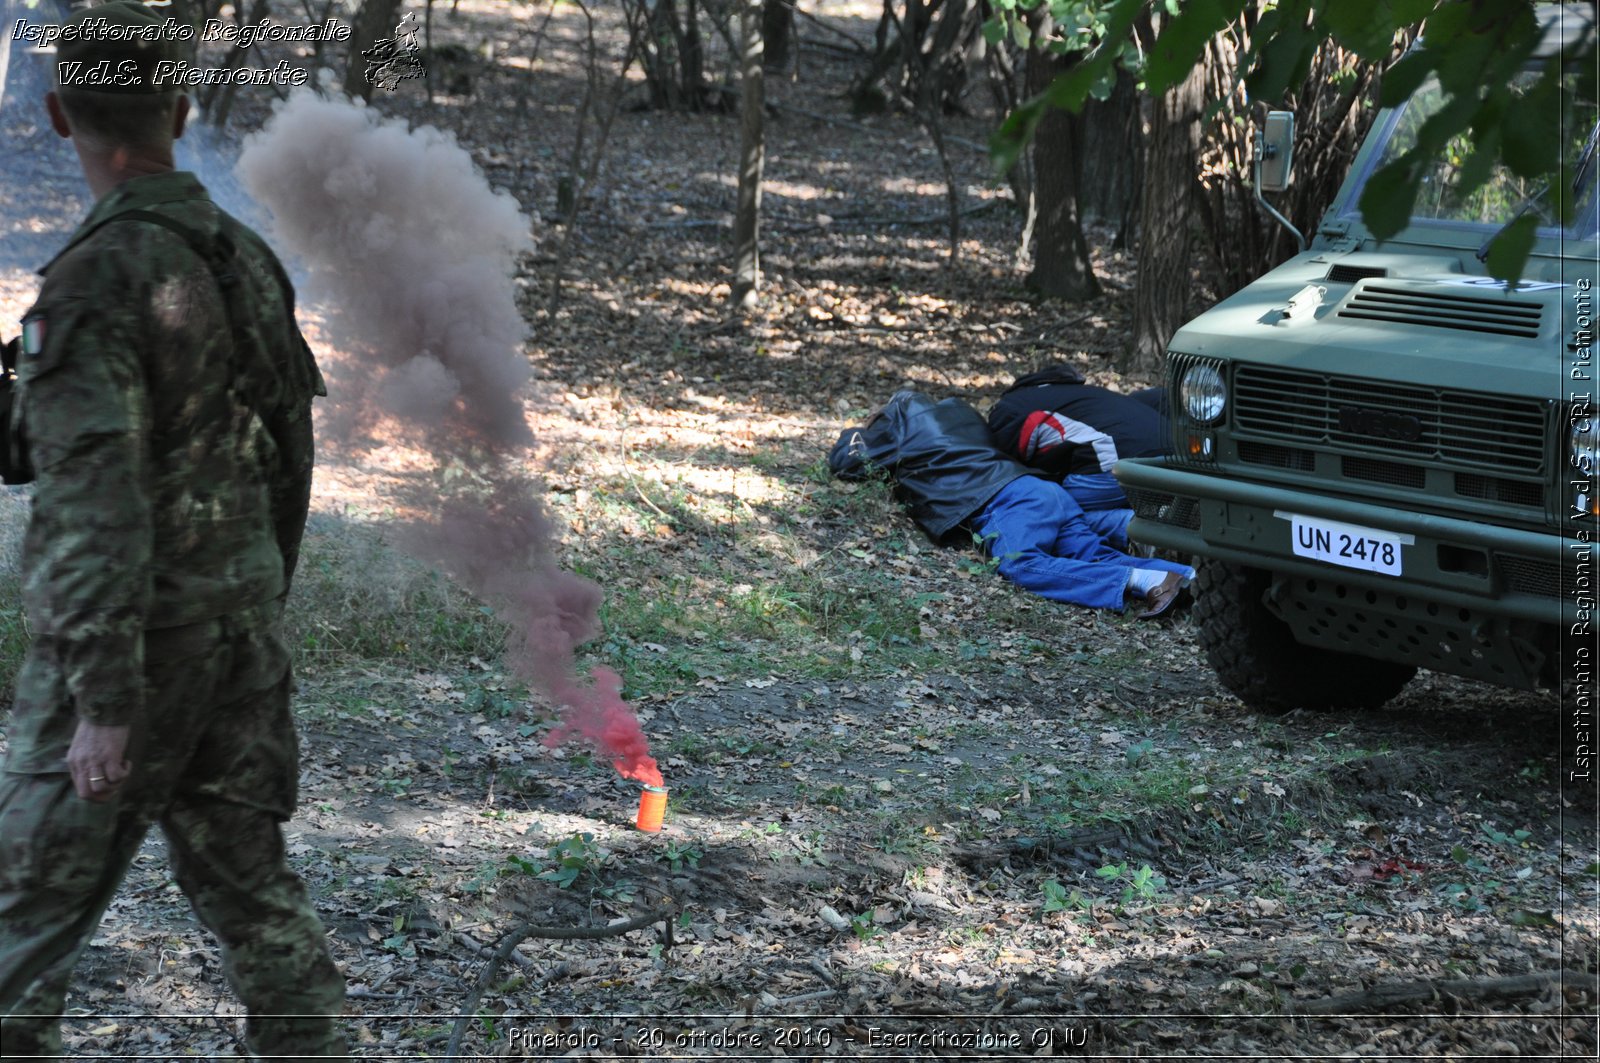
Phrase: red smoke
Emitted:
{"points": [[499, 548], [599, 714], [417, 257]]}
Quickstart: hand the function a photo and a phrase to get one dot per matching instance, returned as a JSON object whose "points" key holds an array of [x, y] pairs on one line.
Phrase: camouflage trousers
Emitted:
{"points": [[216, 766]]}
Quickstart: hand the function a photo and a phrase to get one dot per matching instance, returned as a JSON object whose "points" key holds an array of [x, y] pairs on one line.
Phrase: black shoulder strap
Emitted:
{"points": [[218, 253], [221, 256]]}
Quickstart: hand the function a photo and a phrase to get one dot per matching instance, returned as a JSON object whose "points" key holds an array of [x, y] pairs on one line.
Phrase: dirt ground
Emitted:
{"points": [[997, 827]]}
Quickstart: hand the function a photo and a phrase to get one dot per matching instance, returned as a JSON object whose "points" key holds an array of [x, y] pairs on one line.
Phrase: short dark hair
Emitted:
{"points": [[121, 119]]}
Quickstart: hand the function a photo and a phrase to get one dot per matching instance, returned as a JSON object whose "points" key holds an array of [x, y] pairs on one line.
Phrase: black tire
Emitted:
{"points": [[1256, 657]]}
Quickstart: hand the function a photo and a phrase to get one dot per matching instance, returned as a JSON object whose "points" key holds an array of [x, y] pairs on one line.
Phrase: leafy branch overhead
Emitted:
{"points": [[1474, 49]]}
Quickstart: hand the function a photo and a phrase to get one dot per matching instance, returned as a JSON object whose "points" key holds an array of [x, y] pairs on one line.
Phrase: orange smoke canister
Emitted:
{"points": [[652, 805]]}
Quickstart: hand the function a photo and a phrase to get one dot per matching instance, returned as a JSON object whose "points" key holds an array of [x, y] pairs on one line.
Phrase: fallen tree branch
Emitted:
{"points": [[1068, 849], [1521, 985], [484, 952], [509, 941], [886, 330], [1039, 340], [781, 1004]]}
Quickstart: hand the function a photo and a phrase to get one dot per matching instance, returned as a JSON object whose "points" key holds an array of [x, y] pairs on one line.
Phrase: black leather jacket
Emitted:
{"points": [[939, 454]]}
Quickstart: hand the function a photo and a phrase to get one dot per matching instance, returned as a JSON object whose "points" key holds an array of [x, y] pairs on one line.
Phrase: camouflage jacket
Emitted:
{"points": [[166, 407]]}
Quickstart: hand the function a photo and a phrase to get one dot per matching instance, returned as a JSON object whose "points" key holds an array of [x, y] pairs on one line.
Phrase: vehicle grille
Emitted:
{"points": [[1532, 575], [1164, 508], [1528, 575], [1278, 456], [1466, 313], [1344, 273], [1423, 424], [1383, 472], [1494, 489]]}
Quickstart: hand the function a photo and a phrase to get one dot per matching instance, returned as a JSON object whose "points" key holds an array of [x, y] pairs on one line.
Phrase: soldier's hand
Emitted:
{"points": [[97, 759]]}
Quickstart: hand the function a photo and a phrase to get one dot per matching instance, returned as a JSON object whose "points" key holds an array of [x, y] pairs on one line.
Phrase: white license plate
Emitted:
{"points": [[1347, 545]]}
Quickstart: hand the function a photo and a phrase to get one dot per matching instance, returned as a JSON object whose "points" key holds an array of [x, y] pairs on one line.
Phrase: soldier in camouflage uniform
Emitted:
{"points": [[163, 399]]}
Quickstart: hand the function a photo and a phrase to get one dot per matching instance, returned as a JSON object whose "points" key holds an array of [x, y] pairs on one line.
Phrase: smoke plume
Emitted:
{"points": [[416, 253], [415, 256]]}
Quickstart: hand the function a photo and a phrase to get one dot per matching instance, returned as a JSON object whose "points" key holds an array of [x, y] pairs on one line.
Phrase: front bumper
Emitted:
{"points": [[1519, 574], [1474, 599]]}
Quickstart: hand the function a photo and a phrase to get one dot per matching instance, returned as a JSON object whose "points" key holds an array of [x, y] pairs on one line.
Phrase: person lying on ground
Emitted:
{"points": [[1053, 421], [949, 474]]}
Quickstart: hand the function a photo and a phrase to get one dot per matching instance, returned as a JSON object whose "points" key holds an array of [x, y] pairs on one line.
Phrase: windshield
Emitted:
{"points": [[1504, 195]]}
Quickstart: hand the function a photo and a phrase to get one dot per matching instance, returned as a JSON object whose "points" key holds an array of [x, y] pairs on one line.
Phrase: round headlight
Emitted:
{"points": [[1202, 394], [1585, 445]]}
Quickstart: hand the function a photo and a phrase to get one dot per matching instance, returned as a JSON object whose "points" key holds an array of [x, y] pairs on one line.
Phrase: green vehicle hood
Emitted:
{"points": [[1412, 316]]}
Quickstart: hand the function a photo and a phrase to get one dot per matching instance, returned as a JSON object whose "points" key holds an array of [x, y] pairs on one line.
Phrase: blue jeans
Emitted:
{"points": [[1105, 506], [1045, 545], [1095, 490]]}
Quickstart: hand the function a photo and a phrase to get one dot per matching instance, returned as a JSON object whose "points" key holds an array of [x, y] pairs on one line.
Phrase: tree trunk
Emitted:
{"points": [[374, 22], [1061, 266], [1166, 220], [1112, 172], [752, 157], [692, 58], [777, 33]]}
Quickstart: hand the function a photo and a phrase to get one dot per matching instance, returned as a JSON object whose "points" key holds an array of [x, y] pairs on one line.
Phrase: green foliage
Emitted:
{"points": [[808, 850], [492, 703], [399, 940], [1058, 899], [1481, 885], [863, 926], [1137, 885], [1510, 249], [1090, 76], [1140, 885], [1516, 839], [1475, 50], [565, 862], [986, 565], [1076, 25], [680, 855]]}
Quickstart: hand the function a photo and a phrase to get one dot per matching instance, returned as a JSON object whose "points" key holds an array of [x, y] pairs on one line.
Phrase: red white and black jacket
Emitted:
{"points": [[1052, 420]]}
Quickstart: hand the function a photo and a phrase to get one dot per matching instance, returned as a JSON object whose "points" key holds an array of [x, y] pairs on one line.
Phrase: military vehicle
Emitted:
{"points": [[1385, 458]]}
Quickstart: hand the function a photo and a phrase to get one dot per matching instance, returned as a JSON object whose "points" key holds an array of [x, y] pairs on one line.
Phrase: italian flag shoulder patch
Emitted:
{"points": [[33, 333]]}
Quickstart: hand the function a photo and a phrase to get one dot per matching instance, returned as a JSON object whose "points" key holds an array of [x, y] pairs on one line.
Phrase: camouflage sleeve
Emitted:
{"points": [[291, 487], [289, 421], [84, 401]]}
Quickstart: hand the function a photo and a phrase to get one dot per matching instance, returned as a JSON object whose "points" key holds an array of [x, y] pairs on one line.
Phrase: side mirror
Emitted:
{"points": [[1275, 151]]}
